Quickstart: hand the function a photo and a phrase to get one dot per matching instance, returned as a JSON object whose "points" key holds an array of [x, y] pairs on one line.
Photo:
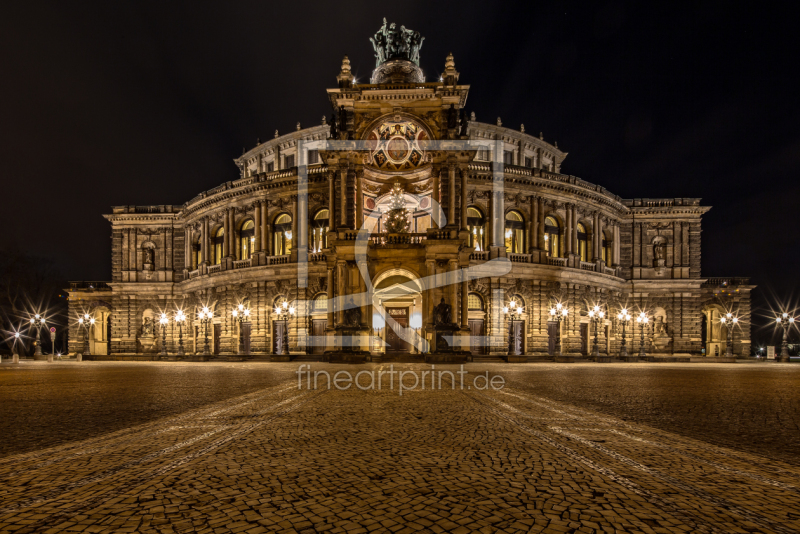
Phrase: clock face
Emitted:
{"points": [[397, 145]]}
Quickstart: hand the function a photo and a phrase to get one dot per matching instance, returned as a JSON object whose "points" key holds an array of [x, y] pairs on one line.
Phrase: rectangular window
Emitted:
{"points": [[313, 157], [528, 162], [508, 157], [289, 160], [483, 154], [270, 166]]}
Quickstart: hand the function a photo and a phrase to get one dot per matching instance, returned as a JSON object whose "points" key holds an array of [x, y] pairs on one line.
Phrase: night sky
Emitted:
{"points": [[114, 103]]}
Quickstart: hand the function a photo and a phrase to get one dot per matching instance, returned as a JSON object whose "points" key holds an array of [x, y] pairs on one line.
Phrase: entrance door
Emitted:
{"points": [[552, 333], [395, 344], [476, 333], [318, 327], [245, 347], [278, 337], [585, 338], [217, 336], [515, 329]]}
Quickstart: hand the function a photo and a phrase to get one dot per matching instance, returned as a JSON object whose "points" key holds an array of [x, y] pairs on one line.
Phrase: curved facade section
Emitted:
{"points": [[492, 219]]}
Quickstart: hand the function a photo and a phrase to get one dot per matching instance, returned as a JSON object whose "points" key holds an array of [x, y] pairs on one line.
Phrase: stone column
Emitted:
{"points": [[435, 194], [331, 296], [600, 236], [616, 244], [341, 287], [359, 199], [257, 224], [453, 287], [428, 296], [596, 240], [574, 226], [464, 303], [296, 240], [343, 204], [464, 227], [568, 232], [266, 231], [168, 248], [533, 225], [226, 225], [188, 237], [331, 201], [232, 238], [451, 207], [204, 238], [497, 209], [540, 231], [676, 243]]}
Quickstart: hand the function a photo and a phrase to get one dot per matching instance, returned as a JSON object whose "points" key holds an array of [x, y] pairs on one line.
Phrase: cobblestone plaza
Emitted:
{"points": [[238, 447]]}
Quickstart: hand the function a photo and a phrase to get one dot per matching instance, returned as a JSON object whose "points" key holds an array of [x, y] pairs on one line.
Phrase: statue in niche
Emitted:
{"points": [[352, 315], [443, 314], [149, 256], [660, 327], [659, 252], [452, 117], [147, 327]]}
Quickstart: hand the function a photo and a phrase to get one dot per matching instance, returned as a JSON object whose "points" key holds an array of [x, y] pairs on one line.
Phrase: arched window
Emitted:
{"points": [[551, 234], [583, 243], [319, 230], [248, 240], [515, 232], [320, 303], [282, 234], [477, 225], [474, 302], [219, 237]]}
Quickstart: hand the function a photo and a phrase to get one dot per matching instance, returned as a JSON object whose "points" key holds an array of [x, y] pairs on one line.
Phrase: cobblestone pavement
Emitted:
{"points": [[284, 459]]}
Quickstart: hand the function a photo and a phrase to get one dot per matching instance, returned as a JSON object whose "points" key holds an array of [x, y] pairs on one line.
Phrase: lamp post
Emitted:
{"points": [[164, 321], [558, 313], [205, 315], [36, 322], [87, 322], [623, 317], [642, 319], [180, 318], [786, 322], [240, 315], [729, 321], [596, 314], [516, 314], [284, 311]]}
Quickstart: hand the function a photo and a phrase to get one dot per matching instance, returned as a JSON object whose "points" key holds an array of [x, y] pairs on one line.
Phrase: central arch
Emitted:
{"points": [[397, 304]]}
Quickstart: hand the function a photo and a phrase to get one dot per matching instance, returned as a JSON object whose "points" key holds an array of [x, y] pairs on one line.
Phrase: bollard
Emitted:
{"points": [[79, 357], [15, 358], [49, 358]]}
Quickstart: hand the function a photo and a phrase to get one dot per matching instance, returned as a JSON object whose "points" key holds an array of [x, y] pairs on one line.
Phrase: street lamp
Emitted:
{"points": [[623, 317], [37, 321], [516, 314], [241, 314], [558, 313], [642, 319], [284, 311], [164, 321], [729, 321], [180, 318], [205, 315], [87, 322], [785, 321], [596, 314]]}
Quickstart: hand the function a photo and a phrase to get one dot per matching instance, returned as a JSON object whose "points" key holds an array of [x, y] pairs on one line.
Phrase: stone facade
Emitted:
{"points": [[478, 194]]}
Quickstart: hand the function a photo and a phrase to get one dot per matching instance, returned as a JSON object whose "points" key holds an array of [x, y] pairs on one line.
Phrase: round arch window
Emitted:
{"points": [[515, 232], [552, 231], [477, 228]]}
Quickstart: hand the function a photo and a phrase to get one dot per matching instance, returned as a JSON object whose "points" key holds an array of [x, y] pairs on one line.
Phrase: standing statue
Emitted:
{"points": [[391, 42], [148, 256], [452, 117], [352, 315], [464, 124], [442, 314], [147, 327], [334, 132]]}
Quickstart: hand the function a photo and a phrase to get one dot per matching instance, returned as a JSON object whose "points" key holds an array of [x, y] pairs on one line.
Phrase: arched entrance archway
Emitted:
{"points": [[397, 311]]}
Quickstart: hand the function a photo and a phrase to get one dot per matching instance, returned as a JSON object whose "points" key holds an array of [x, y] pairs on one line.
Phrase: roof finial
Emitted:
{"points": [[276, 134], [324, 120], [472, 116], [345, 76], [258, 141], [450, 74], [499, 122], [541, 136], [522, 128], [298, 125]]}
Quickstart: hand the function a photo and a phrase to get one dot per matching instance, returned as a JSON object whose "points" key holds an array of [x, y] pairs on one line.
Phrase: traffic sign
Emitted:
{"points": [[52, 329]]}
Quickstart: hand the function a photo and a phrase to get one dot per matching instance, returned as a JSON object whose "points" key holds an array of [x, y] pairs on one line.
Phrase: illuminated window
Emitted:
{"points": [[319, 231], [583, 243], [321, 303], [477, 225], [551, 235], [515, 232], [474, 302], [282, 234], [219, 238], [248, 240]]}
